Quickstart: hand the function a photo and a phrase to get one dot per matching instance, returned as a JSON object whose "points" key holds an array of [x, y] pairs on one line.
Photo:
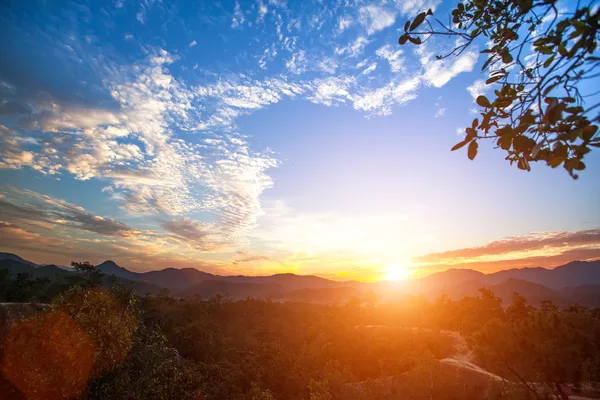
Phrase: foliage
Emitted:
{"points": [[107, 323], [539, 59], [541, 346], [92, 276], [22, 287], [47, 357], [95, 343]]}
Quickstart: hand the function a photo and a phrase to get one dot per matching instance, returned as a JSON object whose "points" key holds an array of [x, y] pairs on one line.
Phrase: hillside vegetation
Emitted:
{"points": [[111, 343]]}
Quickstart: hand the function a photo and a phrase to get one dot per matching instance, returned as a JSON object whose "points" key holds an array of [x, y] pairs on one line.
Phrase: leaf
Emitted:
{"points": [[494, 79], [418, 21], [472, 151], [507, 58], [429, 12], [589, 132], [556, 161], [402, 39], [487, 62], [483, 101], [406, 25], [414, 40], [459, 145], [523, 164]]}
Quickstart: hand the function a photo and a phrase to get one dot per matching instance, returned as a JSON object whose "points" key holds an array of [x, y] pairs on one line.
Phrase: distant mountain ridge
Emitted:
{"points": [[577, 281]]}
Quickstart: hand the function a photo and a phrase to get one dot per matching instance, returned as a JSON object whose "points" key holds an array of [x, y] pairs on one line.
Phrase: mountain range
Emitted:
{"points": [[575, 282]]}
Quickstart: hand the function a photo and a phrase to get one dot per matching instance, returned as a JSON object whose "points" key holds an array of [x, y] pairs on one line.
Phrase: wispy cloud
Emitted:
{"points": [[375, 18], [533, 241]]}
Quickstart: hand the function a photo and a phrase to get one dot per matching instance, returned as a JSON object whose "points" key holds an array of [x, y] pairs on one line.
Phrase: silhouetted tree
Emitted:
{"points": [[539, 58], [92, 276]]}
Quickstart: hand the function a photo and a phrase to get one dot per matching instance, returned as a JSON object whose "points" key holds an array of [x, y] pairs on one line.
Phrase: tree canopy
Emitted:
{"points": [[541, 67]]}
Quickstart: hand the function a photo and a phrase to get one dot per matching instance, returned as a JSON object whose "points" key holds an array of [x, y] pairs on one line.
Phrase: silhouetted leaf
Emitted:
{"points": [[494, 79], [472, 150], [418, 21], [459, 145], [414, 40], [483, 101]]}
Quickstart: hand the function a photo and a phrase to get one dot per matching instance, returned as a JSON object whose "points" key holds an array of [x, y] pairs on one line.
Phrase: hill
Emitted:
{"points": [[235, 290], [111, 268], [575, 282], [14, 257]]}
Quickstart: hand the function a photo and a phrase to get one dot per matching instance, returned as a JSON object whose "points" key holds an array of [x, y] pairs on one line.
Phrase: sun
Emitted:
{"points": [[396, 273]]}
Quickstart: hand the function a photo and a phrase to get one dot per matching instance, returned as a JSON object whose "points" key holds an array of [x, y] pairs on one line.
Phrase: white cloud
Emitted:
{"points": [[262, 10], [380, 101], [392, 55], [298, 63], [369, 69], [375, 18], [439, 72], [413, 7], [353, 49], [192, 43], [344, 22], [477, 88], [238, 16], [330, 91]]}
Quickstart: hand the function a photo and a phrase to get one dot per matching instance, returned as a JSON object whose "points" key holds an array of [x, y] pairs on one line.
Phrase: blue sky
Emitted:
{"points": [[260, 137]]}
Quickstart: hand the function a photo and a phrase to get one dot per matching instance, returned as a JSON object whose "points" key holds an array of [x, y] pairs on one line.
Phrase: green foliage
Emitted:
{"points": [[537, 61]]}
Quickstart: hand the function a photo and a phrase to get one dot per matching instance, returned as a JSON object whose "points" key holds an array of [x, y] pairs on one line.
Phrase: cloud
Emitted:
{"points": [[369, 69], [192, 43], [555, 243], [238, 17], [353, 49], [35, 209], [439, 72], [344, 22], [380, 101], [412, 7], [478, 88], [392, 55], [199, 234], [374, 18], [298, 63], [330, 91]]}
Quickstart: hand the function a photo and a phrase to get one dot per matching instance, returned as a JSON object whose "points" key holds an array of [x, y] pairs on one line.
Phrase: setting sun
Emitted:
{"points": [[396, 273]]}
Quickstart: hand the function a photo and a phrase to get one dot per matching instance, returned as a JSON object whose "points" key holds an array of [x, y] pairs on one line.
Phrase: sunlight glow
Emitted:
{"points": [[396, 273]]}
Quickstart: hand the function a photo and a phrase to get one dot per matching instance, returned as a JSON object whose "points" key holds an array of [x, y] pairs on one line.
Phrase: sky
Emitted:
{"points": [[263, 137]]}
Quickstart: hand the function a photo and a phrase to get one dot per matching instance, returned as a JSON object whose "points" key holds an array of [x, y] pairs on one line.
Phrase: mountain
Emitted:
{"points": [[575, 282], [286, 281], [534, 293], [14, 266], [111, 268], [447, 281], [176, 279], [587, 295], [236, 290], [575, 273], [339, 294], [14, 257]]}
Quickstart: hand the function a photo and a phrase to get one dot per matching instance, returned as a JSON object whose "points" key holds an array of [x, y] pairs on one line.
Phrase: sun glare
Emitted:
{"points": [[396, 273]]}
